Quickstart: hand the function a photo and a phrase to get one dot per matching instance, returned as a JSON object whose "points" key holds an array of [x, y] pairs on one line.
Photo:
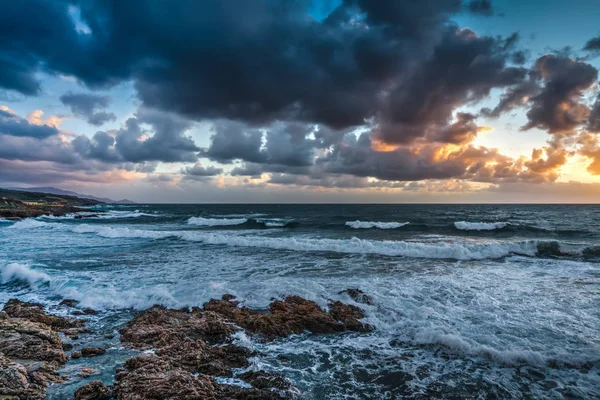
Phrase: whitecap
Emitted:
{"points": [[479, 226], [373, 224], [24, 273], [216, 221]]}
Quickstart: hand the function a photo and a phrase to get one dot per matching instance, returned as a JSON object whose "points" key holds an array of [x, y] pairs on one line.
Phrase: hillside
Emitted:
{"points": [[16, 204]]}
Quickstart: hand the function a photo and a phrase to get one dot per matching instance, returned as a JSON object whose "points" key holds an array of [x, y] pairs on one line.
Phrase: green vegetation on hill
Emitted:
{"points": [[16, 204]]}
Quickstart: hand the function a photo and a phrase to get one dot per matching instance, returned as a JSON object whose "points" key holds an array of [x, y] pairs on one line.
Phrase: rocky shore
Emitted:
{"points": [[183, 354]]}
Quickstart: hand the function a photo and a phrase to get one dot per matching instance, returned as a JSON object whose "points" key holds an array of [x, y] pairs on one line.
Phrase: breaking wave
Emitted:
{"points": [[273, 222], [378, 225], [479, 226], [458, 251], [216, 221], [23, 273]]}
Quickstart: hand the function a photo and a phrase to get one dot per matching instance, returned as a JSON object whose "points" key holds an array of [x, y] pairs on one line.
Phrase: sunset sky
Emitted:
{"points": [[300, 101]]}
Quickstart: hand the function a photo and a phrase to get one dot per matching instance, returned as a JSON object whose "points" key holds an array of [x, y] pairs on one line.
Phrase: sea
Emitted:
{"points": [[469, 301]]}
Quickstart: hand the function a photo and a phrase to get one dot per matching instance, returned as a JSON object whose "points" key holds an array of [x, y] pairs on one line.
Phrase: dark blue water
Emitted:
{"points": [[471, 301]]}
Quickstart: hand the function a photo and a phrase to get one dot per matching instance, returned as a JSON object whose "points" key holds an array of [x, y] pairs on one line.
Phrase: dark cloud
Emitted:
{"points": [[515, 97], [593, 45], [464, 68], [13, 125], [88, 106], [558, 107], [166, 141], [199, 171], [594, 118], [482, 7]]}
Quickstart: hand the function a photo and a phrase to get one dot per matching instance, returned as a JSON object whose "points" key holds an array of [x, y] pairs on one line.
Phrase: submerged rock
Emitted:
{"points": [[95, 390], [92, 351], [358, 296]]}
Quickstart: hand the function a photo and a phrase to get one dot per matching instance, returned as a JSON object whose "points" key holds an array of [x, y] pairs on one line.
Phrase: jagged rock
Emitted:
{"points": [[265, 380], [349, 315], [35, 312], [19, 382], [92, 351], [75, 332], [159, 326], [147, 376], [69, 303], [86, 372], [293, 315], [359, 296], [89, 311], [24, 339], [95, 390], [76, 354]]}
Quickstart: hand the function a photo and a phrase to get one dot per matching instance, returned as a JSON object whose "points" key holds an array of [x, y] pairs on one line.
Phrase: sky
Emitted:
{"points": [[299, 101]]}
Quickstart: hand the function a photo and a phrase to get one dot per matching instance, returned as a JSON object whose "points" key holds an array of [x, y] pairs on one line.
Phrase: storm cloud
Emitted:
{"points": [[89, 107]]}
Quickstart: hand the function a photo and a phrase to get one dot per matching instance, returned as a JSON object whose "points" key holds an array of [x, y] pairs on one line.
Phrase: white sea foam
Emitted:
{"points": [[216, 221], [458, 251], [372, 224], [30, 223], [479, 226], [22, 272], [273, 222]]}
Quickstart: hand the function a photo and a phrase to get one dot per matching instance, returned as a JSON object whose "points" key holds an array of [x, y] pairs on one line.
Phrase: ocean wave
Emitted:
{"points": [[507, 357], [274, 222], [372, 224], [216, 221], [124, 214], [458, 251], [238, 215], [24, 273], [30, 223], [479, 226]]}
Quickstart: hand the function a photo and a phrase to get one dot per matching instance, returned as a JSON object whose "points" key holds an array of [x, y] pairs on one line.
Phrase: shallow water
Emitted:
{"points": [[470, 301]]}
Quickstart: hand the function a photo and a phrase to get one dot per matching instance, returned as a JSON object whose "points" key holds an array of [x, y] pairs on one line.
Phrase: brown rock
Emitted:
{"points": [[92, 351], [293, 315], [265, 380], [95, 390], [159, 326], [86, 372], [24, 339], [89, 311], [358, 296], [35, 312], [19, 382], [76, 354], [69, 303]]}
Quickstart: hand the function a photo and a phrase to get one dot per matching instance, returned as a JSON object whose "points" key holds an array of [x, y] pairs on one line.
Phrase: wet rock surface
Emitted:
{"points": [[188, 353], [31, 350], [293, 315]]}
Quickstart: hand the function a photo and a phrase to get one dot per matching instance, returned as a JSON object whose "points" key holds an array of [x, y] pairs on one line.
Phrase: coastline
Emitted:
{"points": [[179, 354]]}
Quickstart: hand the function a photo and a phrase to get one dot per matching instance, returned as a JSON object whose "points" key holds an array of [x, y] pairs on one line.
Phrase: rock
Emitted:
{"points": [[147, 376], [35, 312], [92, 351], [89, 311], [67, 346], [95, 390], [159, 327], [358, 296], [75, 331], [292, 316], [86, 372], [19, 382], [349, 316], [24, 339], [69, 303], [265, 380], [76, 354], [109, 335]]}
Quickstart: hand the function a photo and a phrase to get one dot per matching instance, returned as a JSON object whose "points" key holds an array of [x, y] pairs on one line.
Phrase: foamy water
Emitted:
{"points": [[508, 308]]}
